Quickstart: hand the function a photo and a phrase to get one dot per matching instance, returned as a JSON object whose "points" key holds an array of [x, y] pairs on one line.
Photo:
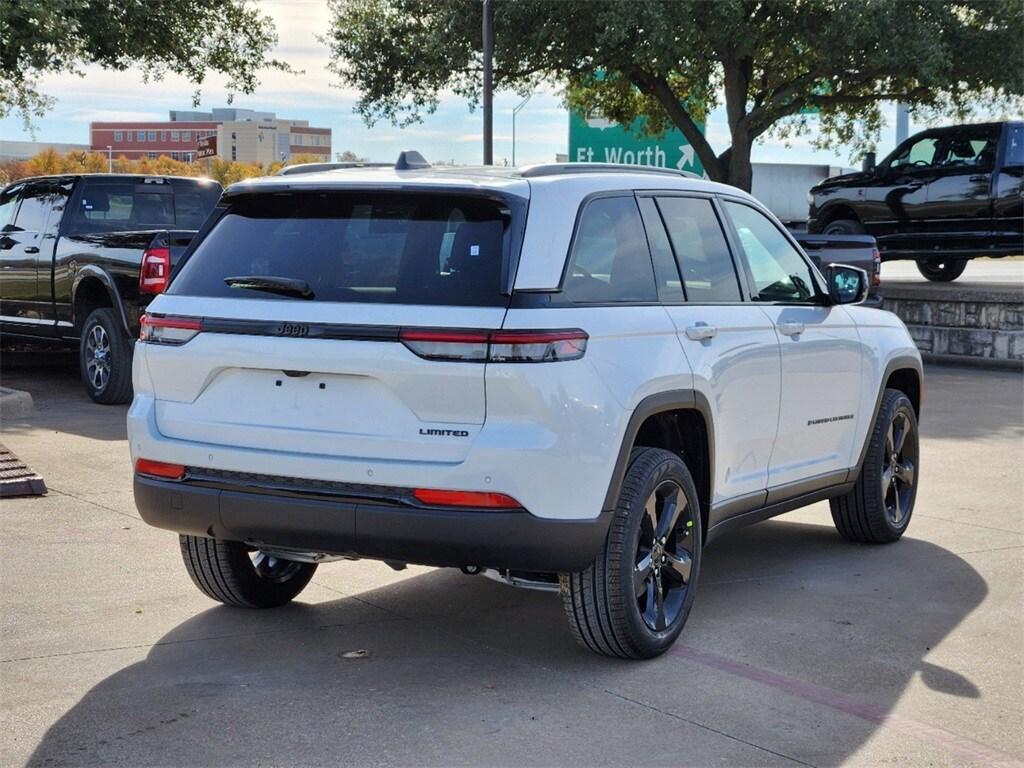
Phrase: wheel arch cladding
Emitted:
{"points": [[908, 381], [679, 421]]}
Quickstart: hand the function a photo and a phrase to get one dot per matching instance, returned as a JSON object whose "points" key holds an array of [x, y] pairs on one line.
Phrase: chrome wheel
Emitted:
{"points": [[272, 568], [97, 357], [664, 558], [899, 469]]}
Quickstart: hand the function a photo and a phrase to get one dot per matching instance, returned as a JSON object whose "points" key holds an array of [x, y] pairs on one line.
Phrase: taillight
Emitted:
{"points": [[474, 346], [160, 469], [155, 271], [876, 275], [154, 329], [478, 499]]}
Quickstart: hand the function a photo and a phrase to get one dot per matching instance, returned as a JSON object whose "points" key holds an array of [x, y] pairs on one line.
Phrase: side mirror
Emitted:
{"points": [[846, 285], [867, 164]]}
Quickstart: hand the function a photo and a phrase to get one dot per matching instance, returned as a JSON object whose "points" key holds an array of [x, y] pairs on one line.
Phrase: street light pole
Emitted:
{"points": [[110, 159], [515, 112], [488, 86]]}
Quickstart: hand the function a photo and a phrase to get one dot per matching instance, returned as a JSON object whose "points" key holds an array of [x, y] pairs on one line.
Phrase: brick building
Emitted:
{"points": [[244, 135]]}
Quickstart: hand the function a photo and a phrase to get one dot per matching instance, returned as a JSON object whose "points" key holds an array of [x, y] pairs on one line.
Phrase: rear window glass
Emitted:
{"points": [[115, 205], [355, 247]]}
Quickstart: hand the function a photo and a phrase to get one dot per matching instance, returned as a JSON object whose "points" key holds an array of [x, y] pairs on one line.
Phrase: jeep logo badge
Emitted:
{"points": [[294, 329]]}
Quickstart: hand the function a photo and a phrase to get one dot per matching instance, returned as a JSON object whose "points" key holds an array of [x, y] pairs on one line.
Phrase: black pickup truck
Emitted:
{"points": [[942, 197], [82, 255]]}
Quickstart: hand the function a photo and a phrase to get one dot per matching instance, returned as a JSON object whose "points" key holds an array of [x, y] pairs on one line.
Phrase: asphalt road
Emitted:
{"points": [[801, 649]]}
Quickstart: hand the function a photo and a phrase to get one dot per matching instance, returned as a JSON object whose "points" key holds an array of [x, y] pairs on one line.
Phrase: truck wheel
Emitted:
{"points": [[878, 509], [235, 574], [844, 227], [941, 270], [105, 358], [633, 600]]}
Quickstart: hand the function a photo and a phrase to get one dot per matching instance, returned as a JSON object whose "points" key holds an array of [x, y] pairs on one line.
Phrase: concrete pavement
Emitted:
{"points": [[801, 649]]}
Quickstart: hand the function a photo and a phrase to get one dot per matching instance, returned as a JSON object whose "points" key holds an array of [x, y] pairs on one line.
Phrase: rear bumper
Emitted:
{"points": [[317, 523]]}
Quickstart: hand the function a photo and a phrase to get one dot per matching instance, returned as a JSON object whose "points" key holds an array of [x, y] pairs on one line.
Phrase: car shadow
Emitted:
{"points": [[441, 668]]}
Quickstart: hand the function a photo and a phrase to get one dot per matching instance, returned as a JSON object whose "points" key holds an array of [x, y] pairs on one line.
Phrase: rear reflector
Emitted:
{"points": [[160, 469], [155, 271], [474, 346], [154, 329], [478, 499]]}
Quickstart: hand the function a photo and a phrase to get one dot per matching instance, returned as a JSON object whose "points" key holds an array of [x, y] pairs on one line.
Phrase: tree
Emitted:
{"points": [[348, 156], [768, 61], [185, 37]]}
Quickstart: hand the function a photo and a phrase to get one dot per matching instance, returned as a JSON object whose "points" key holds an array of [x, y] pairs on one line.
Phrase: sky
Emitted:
{"points": [[453, 133]]}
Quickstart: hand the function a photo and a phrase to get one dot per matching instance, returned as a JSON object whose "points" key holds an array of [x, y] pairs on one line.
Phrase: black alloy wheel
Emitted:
{"points": [[664, 561]]}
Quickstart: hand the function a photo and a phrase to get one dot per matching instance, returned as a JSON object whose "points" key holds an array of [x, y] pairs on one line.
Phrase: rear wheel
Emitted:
{"points": [[235, 574], [940, 270], [105, 358], [633, 601], [844, 227], [878, 509]]}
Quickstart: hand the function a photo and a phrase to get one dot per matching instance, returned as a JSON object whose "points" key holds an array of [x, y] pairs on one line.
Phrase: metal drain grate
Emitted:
{"points": [[16, 479]]}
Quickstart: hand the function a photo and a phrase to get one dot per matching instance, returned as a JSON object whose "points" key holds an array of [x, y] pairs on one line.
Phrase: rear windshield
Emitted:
{"points": [[123, 205], [356, 247]]}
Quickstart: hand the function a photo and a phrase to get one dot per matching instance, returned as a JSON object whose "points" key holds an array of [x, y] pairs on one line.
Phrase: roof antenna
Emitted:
{"points": [[410, 160]]}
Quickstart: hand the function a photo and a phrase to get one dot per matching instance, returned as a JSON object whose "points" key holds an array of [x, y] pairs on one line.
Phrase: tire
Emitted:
{"points": [[878, 509], [844, 227], [607, 613], [940, 270], [227, 572], [105, 358]]}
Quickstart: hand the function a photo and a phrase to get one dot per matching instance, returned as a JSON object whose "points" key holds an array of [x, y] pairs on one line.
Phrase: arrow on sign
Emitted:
{"points": [[686, 157]]}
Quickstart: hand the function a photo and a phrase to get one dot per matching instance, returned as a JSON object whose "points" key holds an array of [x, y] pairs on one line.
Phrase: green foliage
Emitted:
{"points": [[185, 37], [674, 61]]}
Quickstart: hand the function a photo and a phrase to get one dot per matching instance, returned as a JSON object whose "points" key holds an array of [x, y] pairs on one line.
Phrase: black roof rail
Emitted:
{"points": [[410, 160], [291, 170], [557, 169]]}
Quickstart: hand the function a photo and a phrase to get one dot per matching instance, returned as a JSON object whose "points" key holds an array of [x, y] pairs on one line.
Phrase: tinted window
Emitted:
{"points": [[610, 259], [397, 248], [919, 154], [126, 205], [8, 205], [670, 285], [36, 203], [1014, 145], [971, 149], [701, 249], [779, 271]]}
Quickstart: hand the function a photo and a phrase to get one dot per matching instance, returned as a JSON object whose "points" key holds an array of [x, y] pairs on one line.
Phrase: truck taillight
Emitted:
{"points": [[156, 329], [155, 271], [472, 346], [876, 274]]}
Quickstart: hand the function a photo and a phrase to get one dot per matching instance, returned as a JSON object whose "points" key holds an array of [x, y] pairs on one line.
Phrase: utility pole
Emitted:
{"points": [[110, 159], [515, 112], [488, 89]]}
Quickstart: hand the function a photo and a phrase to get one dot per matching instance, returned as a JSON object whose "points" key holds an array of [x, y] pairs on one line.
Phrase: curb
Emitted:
{"points": [[14, 403]]}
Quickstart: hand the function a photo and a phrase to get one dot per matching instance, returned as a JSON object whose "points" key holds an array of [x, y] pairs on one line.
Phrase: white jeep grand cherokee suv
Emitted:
{"points": [[567, 377]]}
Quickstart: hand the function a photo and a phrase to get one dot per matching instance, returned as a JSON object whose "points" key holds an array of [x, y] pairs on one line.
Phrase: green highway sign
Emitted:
{"points": [[597, 140]]}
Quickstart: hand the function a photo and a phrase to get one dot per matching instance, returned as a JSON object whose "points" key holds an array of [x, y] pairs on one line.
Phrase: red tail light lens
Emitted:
{"points": [[478, 499], [876, 274], [496, 346], [160, 469], [154, 329], [155, 271]]}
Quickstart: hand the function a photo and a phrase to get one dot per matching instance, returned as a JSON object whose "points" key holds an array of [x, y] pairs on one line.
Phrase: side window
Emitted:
{"points": [[8, 205], [920, 154], [1014, 145], [969, 150], [780, 273], [610, 259], [35, 206], [702, 253], [670, 285]]}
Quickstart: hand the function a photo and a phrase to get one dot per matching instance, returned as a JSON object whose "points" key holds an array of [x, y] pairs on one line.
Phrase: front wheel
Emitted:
{"points": [[941, 270], [235, 574], [105, 358], [878, 509], [633, 600], [844, 227]]}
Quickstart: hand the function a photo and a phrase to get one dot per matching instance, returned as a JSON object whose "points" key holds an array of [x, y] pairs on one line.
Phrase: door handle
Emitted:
{"points": [[32, 249], [791, 329], [701, 331]]}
